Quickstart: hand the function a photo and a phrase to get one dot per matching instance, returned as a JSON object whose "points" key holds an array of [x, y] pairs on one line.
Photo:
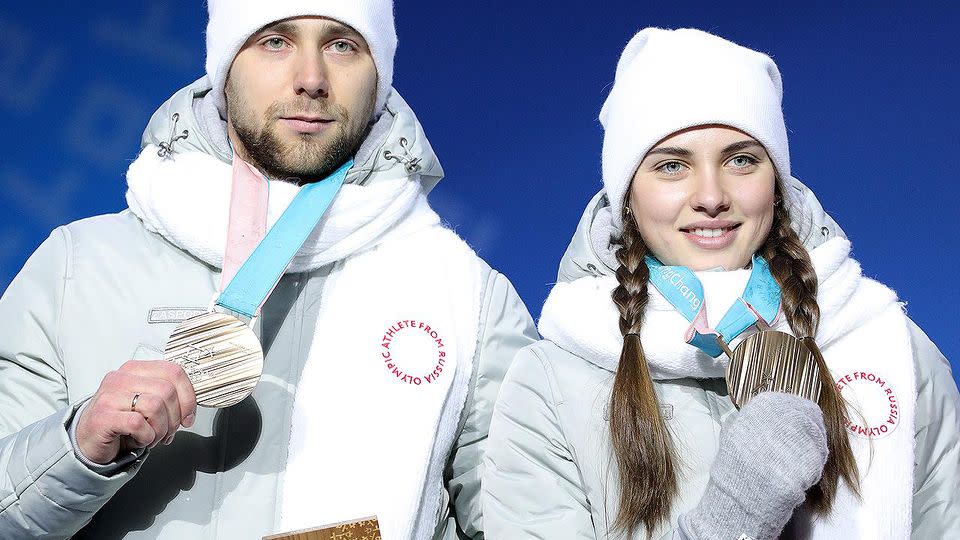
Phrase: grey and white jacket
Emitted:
{"points": [[107, 289], [549, 471]]}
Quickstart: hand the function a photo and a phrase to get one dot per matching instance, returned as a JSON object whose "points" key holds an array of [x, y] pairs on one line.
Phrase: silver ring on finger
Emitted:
{"points": [[133, 404]]}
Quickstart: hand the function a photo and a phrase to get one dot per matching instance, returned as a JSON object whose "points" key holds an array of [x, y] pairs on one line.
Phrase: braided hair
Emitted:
{"points": [[793, 270], [642, 445]]}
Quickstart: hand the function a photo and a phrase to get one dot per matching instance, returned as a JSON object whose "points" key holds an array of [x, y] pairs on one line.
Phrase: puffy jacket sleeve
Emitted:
{"points": [[531, 483], [936, 477], [44, 489], [505, 328]]}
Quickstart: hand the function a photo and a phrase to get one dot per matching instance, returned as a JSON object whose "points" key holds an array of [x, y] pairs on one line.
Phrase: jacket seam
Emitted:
{"points": [[551, 385], [37, 485], [68, 263], [377, 152], [478, 349], [474, 387], [33, 476]]}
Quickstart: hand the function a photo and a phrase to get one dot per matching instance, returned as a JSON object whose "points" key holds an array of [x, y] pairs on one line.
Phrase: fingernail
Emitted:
{"points": [[168, 440], [189, 420]]}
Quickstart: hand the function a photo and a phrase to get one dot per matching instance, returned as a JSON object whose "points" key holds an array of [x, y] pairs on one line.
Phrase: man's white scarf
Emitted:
{"points": [[379, 400], [864, 338], [186, 200]]}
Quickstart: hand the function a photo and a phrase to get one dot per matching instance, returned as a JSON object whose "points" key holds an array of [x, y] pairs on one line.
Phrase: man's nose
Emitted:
{"points": [[311, 76]]}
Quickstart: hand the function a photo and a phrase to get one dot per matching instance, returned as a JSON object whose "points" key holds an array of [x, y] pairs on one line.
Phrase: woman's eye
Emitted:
{"points": [[342, 47], [671, 168], [742, 162]]}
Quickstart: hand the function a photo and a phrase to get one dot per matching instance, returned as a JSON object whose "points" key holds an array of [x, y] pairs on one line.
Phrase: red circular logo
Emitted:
{"points": [[413, 352], [876, 410]]}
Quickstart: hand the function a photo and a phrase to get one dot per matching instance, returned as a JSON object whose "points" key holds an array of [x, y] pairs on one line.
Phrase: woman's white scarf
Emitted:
{"points": [[364, 441], [864, 338]]}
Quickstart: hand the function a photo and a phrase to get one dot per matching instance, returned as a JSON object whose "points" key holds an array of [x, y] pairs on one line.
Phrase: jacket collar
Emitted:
{"points": [[580, 317], [180, 185], [395, 147]]}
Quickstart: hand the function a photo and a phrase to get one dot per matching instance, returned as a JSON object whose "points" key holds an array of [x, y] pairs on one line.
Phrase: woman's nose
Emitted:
{"points": [[710, 196]]}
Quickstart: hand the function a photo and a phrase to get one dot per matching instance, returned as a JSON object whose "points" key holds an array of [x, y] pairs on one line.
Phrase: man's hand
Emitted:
{"points": [[137, 406]]}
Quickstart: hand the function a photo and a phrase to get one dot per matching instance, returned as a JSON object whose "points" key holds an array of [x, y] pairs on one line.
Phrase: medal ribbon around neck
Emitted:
{"points": [[760, 301], [245, 289], [218, 350]]}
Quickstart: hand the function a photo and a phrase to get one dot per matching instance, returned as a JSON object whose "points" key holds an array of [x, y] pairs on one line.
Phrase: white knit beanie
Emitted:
{"points": [[669, 80], [232, 22]]}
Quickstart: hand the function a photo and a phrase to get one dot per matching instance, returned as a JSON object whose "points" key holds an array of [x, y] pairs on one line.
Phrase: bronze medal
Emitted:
{"points": [[772, 361], [221, 355]]}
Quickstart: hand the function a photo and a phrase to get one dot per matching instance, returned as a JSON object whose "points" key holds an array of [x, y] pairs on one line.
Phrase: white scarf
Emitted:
{"points": [[186, 200], [862, 331], [363, 440]]}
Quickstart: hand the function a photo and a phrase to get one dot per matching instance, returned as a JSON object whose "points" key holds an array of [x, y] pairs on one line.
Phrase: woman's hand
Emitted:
{"points": [[769, 456]]}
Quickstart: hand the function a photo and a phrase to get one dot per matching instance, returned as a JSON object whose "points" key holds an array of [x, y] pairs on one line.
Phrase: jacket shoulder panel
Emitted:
{"points": [[119, 235], [936, 476], [117, 272], [530, 467]]}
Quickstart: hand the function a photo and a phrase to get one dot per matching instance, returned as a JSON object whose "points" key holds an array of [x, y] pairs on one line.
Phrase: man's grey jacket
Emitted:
{"points": [[104, 290]]}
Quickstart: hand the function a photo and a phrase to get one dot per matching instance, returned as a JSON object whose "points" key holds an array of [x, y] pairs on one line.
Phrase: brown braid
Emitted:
{"points": [[791, 266], [642, 445]]}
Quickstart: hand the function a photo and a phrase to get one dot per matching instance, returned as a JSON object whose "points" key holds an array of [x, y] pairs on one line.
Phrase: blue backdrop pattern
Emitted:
{"points": [[508, 93]]}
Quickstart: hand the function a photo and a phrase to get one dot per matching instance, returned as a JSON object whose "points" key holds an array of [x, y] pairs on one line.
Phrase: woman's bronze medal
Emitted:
{"points": [[767, 360], [772, 361]]}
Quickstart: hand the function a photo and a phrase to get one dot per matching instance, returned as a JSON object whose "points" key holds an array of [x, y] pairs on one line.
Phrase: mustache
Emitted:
{"points": [[309, 107]]}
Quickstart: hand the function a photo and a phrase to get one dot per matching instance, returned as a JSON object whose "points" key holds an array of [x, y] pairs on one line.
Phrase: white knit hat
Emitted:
{"points": [[721, 83], [232, 22]]}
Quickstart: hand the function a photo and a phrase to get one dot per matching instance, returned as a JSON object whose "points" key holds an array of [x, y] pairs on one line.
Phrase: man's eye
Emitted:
{"points": [[274, 44], [342, 47]]}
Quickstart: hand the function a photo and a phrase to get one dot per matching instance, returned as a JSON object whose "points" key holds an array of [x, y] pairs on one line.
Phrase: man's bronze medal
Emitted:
{"points": [[219, 350], [221, 355]]}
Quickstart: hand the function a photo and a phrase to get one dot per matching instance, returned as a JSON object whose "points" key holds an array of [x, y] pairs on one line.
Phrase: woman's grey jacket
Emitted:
{"points": [[549, 440], [104, 290]]}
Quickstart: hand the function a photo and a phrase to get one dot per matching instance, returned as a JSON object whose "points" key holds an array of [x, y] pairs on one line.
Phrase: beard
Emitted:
{"points": [[307, 157]]}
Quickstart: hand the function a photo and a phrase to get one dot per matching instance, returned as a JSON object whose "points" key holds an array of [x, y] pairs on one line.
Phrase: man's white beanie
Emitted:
{"points": [[669, 80], [232, 22]]}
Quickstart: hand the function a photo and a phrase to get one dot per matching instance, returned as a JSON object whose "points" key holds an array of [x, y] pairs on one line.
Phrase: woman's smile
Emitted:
{"points": [[711, 235]]}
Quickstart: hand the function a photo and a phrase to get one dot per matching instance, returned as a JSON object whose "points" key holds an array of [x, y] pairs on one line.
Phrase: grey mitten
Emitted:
{"points": [[768, 457]]}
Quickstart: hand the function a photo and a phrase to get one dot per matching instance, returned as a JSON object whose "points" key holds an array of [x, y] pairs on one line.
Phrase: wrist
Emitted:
{"points": [[110, 466], [743, 508]]}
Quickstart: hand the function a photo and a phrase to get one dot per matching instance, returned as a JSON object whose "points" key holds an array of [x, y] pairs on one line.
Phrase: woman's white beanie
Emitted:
{"points": [[232, 22], [669, 80]]}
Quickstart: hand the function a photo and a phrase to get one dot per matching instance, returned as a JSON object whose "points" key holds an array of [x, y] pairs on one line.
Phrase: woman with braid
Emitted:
{"points": [[621, 423]]}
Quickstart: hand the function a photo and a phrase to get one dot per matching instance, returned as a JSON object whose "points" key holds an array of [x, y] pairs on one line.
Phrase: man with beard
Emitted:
{"points": [[385, 338]]}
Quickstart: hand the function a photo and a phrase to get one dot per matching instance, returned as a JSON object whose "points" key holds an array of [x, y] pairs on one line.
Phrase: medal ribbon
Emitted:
{"points": [[245, 289], [249, 197], [760, 301]]}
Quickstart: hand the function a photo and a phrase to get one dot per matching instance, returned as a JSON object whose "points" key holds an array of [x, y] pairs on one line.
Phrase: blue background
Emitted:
{"points": [[509, 92]]}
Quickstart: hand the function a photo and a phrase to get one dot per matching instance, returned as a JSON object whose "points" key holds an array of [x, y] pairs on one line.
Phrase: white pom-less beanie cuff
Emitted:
{"points": [[232, 22], [670, 80]]}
